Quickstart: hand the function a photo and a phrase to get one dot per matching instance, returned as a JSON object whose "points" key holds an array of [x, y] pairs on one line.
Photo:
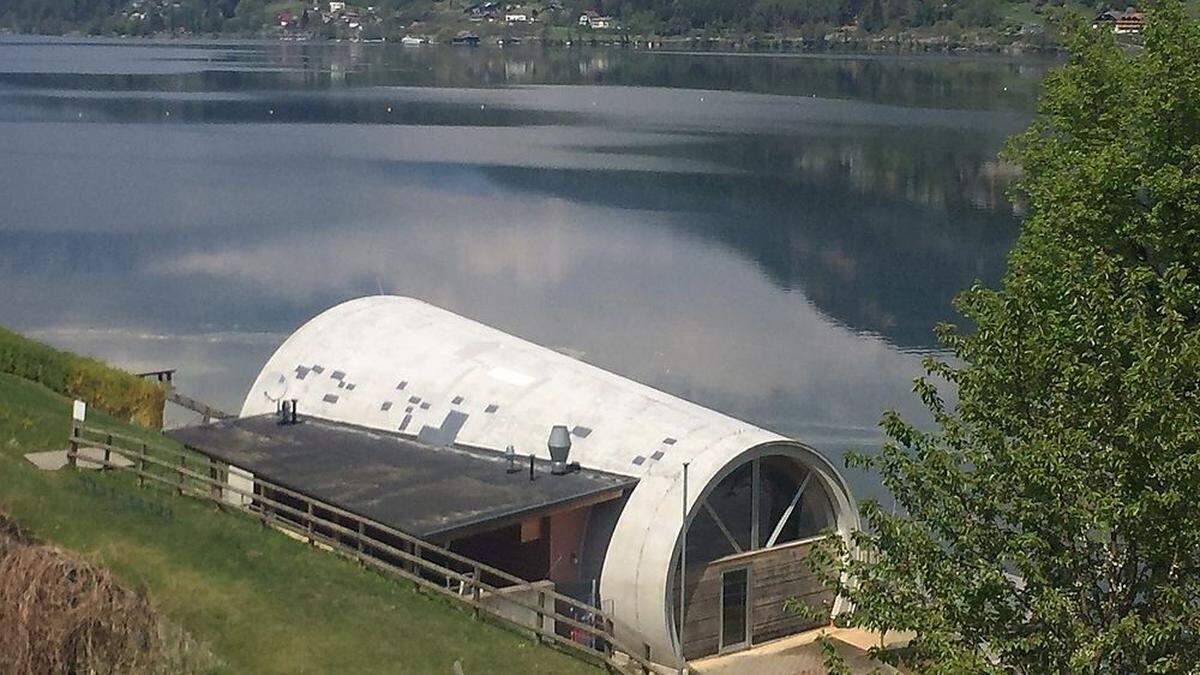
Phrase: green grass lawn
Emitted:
{"points": [[297, 7], [258, 600], [1021, 13]]}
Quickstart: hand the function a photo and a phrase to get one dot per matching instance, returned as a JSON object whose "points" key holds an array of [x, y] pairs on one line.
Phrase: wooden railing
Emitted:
{"points": [[209, 412], [482, 587]]}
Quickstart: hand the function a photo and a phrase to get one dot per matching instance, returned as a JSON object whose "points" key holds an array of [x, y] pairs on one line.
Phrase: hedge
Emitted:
{"points": [[116, 392]]}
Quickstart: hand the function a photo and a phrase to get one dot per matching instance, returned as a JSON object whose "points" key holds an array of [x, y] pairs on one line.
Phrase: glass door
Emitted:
{"points": [[735, 585]]}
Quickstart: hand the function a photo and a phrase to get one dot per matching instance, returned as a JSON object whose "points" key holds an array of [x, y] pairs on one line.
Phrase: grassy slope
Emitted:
{"points": [[257, 599]]}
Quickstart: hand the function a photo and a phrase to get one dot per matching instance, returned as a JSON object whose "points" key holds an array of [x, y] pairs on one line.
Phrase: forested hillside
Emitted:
{"points": [[391, 18]]}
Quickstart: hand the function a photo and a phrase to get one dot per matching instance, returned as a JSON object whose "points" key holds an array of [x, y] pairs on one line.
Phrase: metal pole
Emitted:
{"points": [[683, 558], [755, 498]]}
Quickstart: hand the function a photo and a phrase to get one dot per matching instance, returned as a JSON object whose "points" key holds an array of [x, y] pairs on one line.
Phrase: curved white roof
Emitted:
{"points": [[378, 360]]}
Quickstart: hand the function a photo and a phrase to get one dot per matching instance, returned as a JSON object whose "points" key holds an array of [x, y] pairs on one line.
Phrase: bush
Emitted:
{"points": [[116, 392], [64, 614]]}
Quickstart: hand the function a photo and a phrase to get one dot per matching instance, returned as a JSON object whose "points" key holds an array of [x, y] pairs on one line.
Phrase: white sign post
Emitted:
{"points": [[78, 415]]}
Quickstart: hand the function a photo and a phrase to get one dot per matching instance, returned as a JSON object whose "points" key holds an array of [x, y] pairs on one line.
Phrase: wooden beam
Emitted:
{"points": [[539, 511], [788, 512], [196, 406], [720, 524]]}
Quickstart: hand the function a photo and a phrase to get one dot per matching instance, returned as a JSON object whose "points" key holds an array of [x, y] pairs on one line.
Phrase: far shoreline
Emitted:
{"points": [[723, 47]]}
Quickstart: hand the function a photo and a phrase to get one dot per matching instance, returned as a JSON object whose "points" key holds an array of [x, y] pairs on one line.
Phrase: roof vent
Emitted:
{"points": [[560, 447], [287, 411]]}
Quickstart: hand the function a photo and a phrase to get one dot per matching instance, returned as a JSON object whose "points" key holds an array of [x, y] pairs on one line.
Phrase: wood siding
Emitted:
{"points": [[775, 575]]}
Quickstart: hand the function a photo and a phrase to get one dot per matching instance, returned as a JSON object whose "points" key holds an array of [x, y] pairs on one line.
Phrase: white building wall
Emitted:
{"points": [[238, 479]]}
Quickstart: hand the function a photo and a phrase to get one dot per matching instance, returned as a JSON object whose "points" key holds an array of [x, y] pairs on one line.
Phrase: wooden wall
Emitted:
{"points": [[566, 543], [775, 576]]}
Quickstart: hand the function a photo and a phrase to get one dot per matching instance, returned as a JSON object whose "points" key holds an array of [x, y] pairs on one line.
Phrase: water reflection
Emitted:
{"points": [[914, 80], [779, 257]]}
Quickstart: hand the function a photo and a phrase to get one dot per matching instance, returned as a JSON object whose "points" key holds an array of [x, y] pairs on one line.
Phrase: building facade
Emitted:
{"points": [[732, 530]]}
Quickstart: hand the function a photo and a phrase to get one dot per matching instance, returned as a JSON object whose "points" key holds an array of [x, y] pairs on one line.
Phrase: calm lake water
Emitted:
{"points": [[773, 237]]}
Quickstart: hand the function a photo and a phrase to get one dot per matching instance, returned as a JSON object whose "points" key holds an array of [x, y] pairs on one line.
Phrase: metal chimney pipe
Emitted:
{"points": [[560, 449]]}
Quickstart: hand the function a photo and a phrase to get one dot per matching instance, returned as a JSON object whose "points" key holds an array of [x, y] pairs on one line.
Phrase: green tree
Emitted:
{"points": [[1049, 520], [871, 18], [977, 13]]}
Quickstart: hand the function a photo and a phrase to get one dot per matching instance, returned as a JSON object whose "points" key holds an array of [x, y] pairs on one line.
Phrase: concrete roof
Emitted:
{"points": [[436, 493]]}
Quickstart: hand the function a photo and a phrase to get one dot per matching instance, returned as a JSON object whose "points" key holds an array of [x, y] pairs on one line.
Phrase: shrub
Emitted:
{"points": [[116, 392]]}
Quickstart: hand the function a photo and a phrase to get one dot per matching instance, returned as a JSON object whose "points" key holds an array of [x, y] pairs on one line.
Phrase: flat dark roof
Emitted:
{"points": [[428, 491]]}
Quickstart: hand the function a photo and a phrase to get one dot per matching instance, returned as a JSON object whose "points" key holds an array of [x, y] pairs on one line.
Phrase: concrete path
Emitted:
{"points": [[57, 459], [796, 655]]}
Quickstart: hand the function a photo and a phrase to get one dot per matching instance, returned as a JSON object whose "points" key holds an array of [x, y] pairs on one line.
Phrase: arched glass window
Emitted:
{"points": [[787, 499], [764, 504]]}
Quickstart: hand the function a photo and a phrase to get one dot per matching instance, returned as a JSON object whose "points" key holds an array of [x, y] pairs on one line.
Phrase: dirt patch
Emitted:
{"points": [[60, 613]]}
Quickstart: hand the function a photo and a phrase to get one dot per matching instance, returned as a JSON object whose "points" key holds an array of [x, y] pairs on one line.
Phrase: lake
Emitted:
{"points": [[770, 236]]}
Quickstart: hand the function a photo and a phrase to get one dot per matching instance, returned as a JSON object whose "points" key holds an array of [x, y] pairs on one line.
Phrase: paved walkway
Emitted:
{"points": [[798, 654], [57, 459]]}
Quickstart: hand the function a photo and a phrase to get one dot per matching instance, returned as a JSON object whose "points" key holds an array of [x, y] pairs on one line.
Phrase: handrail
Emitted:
{"points": [[274, 487], [192, 404], [362, 542], [373, 543], [349, 514], [391, 531], [111, 434]]}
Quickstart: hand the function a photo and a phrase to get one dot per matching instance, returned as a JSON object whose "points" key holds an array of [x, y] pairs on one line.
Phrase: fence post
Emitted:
{"points": [[141, 466], [475, 589], [215, 488], [263, 513], [308, 506], [266, 509], [107, 452], [541, 615], [646, 668], [608, 637], [74, 451], [182, 466], [416, 566], [362, 534]]}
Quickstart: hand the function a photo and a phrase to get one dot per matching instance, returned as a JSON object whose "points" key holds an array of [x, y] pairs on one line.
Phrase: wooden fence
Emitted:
{"points": [[207, 411], [485, 589]]}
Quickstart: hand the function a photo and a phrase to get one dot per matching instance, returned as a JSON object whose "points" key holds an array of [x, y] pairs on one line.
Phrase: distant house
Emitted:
{"points": [[1131, 22], [516, 17], [1119, 22], [286, 18], [592, 19], [336, 6], [481, 10], [465, 38]]}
